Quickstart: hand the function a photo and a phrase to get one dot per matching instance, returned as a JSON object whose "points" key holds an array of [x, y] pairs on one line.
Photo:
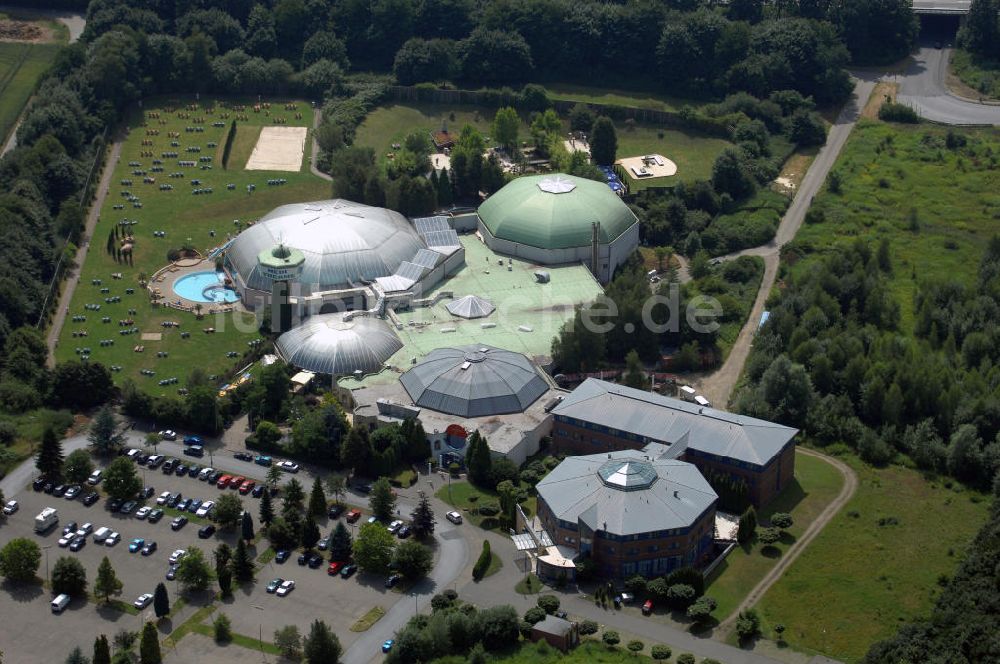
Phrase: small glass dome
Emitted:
{"points": [[627, 474]]}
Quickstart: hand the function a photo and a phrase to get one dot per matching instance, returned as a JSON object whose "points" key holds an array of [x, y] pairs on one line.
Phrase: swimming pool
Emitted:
{"points": [[208, 286]]}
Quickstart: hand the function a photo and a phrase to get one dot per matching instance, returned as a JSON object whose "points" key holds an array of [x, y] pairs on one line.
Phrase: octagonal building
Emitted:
{"points": [[558, 219]]}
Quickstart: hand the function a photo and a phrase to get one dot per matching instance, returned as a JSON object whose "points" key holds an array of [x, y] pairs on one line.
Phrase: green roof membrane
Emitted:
{"points": [[555, 212]]}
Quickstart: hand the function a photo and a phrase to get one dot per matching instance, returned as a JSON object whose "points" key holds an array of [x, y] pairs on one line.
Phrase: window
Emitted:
{"points": [[652, 548], [569, 540]]}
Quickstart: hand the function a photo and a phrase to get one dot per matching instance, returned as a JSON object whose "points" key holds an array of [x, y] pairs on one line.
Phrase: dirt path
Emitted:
{"points": [[814, 529], [70, 283], [317, 117], [718, 386]]}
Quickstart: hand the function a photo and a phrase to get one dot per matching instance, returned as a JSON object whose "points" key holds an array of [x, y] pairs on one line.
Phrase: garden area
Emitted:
{"points": [[21, 65], [160, 217]]}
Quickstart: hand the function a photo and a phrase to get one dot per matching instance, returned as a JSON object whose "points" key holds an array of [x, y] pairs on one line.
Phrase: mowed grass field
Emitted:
{"points": [[21, 65], [693, 153], [817, 483], [892, 174], [876, 566], [187, 220]]}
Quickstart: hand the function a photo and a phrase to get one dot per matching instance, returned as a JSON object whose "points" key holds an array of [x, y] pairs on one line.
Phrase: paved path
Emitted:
{"points": [[718, 386], [923, 87], [317, 118], [61, 308], [795, 550]]}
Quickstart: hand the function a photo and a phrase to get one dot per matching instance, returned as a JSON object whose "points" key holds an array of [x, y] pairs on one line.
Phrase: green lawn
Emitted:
{"points": [[614, 97], [892, 172], [816, 484], [21, 65], [187, 220], [692, 152], [467, 498], [859, 581], [588, 652]]}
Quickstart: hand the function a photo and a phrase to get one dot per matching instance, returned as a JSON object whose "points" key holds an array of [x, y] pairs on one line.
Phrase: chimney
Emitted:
{"points": [[675, 495]]}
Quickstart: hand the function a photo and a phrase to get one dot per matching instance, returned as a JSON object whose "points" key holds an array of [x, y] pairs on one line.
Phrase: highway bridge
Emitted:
{"points": [[942, 7]]}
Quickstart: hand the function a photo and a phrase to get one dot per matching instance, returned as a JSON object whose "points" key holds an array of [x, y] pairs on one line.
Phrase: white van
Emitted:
{"points": [[702, 401], [60, 603], [101, 534], [95, 477]]}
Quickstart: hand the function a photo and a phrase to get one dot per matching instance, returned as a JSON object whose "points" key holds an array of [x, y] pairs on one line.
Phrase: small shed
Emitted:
{"points": [[301, 380], [559, 633]]}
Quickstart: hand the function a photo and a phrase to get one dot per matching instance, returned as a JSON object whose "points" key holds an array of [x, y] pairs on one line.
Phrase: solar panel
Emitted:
{"points": [[448, 238], [410, 271], [394, 283], [430, 224], [427, 258]]}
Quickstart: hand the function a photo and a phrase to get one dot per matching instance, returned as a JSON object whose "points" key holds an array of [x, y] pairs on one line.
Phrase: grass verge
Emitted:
{"points": [[496, 564], [529, 585], [266, 556], [240, 640], [188, 626], [366, 621]]}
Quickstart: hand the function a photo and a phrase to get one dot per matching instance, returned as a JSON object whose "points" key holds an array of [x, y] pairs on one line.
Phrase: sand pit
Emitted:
{"points": [[647, 167], [278, 149], [152, 336]]}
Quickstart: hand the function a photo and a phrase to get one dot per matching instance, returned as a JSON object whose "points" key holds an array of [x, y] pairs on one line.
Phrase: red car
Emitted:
{"points": [[224, 481], [334, 568], [647, 607], [247, 486], [237, 482], [353, 516]]}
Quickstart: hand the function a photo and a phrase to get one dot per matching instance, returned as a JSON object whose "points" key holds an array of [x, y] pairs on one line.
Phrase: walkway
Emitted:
{"points": [[61, 308], [923, 87], [718, 386], [317, 118]]}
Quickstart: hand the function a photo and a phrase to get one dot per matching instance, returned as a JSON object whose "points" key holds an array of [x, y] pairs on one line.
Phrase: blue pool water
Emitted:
{"points": [[205, 287]]}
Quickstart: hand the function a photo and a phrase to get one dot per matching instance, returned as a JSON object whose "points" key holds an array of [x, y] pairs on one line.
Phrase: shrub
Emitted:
{"points": [[548, 603], [660, 653], [893, 112], [534, 615], [483, 563], [635, 646], [781, 520], [611, 638], [489, 509], [747, 625], [685, 658], [223, 629], [589, 627]]}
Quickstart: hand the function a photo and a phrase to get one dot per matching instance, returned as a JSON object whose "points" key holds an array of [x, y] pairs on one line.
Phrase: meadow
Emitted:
{"points": [[187, 220], [935, 200], [21, 65], [878, 565]]}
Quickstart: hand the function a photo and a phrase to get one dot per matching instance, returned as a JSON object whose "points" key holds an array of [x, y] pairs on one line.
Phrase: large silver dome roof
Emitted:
{"points": [[328, 344], [474, 381], [343, 243]]}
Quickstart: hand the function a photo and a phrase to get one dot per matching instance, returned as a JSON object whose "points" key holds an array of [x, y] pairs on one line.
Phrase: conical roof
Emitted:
{"points": [[474, 381], [471, 306]]}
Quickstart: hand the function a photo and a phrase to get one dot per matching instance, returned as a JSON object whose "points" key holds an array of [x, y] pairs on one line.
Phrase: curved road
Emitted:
{"points": [[922, 87]]}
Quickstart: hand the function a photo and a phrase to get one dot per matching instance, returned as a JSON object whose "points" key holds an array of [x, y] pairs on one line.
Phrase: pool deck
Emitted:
{"points": [[528, 315], [161, 286]]}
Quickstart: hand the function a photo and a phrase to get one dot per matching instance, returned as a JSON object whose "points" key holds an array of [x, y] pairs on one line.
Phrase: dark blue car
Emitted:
{"points": [[193, 440]]}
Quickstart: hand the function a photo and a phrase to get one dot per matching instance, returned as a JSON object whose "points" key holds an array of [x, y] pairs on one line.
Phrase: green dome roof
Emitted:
{"points": [[555, 211]]}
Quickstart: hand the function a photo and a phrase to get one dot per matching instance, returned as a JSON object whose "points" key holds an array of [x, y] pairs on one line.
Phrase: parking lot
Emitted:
{"points": [[252, 609]]}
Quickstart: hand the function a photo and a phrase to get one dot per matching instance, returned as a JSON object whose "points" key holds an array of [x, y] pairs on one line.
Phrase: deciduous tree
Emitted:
{"points": [[107, 583], [373, 548], [70, 577], [382, 501]]}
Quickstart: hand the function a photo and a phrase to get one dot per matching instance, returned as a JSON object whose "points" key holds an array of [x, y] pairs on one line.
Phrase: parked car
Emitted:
{"points": [[215, 476], [168, 434], [146, 493], [155, 461], [394, 526], [237, 482], [183, 504], [169, 465], [194, 506], [258, 491], [454, 517], [149, 549], [174, 498], [288, 466], [303, 559], [334, 568], [335, 511], [77, 544], [73, 492], [115, 504], [136, 545], [180, 470], [95, 477], [363, 488], [11, 507], [387, 645], [142, 601], [205, 473], [273, 585], [113, 538], [393, 580], [85, 529], [38, 484], [282, 555], [176, 556], [243, 456], [224, 481], [91, 498], [403, 532], [66, 539], [262, 460], [205, 508], [206, 531], [155, 516], [647, 607], [353, 515], [194, 470], [315, 560], [59, 490], [128, 507], [285, 588], [143, 512], [178, 522], [348, 570], [195, 451], [171, 572], [163, 498], [193, 440], [247, 486], [70, 528]]}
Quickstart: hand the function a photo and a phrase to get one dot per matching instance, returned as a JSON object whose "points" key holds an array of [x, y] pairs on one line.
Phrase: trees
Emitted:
{"points": [[292, 501], [340, 544], [419, 60], [731, 174], [273, 477], [149, 645], [193, 571], [102, 650], [492, 57], [506, 125], [282, 534], [222, 629], [161, 600], [701, 609], [508, 502], [70, 577], [373, 548], [747, 526], [19, 560], [635, 375], [382, 501], [413, 560], [876, 32], [747, 624], [478, 459], [107, 582], [49, 461], [321, 645], [310, 532], [266, 509], [337, 486], [247, 526], [548, 603], [78, 466], [81, 385], [317, 500], [483, 562], [75, 656], [603, 141], [980, 34], [422, 518], [228, 511], [104, 435], [289, 642], [120, 479], [499, 626], [242, 564]]}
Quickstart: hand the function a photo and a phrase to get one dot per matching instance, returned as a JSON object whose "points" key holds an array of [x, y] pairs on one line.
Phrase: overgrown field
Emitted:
{"points": [[21, 65], [879, 563], [187, 220], [981, 76], [936, 199]]}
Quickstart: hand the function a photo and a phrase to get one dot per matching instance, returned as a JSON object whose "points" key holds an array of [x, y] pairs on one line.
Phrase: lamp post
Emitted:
{"points": [[416, 608], [260, 632]]}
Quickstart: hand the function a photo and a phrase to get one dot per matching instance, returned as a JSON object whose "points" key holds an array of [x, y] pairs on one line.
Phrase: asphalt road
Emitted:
{"points": [[923, 88]]}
